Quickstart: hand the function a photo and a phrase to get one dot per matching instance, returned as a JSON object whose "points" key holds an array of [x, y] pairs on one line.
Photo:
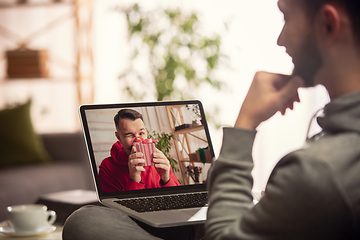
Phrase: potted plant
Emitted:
{"points": [[174, 52], [195, 112]]}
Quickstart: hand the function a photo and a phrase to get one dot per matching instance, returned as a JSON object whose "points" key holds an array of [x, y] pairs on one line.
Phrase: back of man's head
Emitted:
{"points": [[127, 114], [352, 7]]}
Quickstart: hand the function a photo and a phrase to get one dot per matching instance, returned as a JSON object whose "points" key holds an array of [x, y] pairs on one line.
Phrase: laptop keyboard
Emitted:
{"points": [[168, 202]]}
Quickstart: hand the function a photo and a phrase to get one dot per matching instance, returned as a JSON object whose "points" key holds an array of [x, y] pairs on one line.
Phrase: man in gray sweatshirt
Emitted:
{"points": [[312, 193]]}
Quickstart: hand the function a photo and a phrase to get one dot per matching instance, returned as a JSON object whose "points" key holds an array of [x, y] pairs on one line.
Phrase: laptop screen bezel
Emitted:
{"points": [[143, 192]]}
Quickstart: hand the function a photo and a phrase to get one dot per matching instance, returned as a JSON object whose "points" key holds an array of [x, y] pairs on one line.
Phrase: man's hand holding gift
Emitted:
{"points": [[162, 165], [136, 165]]}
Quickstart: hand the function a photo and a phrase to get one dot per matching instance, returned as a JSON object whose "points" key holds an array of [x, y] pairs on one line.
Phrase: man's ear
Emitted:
{"points": [[331, 21], [117, 136]]}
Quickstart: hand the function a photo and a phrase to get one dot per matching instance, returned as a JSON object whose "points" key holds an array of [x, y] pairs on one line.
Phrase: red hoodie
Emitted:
{"points": [[114, 173]]}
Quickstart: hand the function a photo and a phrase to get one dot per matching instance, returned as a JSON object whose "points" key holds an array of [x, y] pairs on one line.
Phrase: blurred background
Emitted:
{"points": [[64, 53]]}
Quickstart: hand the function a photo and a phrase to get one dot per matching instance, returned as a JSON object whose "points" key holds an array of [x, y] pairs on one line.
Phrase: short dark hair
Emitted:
{"points": [[127, 114], [352, 7]]}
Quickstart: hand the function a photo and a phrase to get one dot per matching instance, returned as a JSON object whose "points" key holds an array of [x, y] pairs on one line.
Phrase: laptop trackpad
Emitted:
{"points": [[196, 214], [166, 218]]}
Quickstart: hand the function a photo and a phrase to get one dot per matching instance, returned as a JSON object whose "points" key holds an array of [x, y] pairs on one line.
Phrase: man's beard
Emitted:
{"points": [[307, 61]]}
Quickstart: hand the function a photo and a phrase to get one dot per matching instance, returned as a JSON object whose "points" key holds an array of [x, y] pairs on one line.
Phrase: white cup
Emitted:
{"points": [[30, 217]]}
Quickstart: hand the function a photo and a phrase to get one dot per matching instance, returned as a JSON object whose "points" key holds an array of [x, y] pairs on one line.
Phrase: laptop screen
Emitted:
{"points": [[172, 138]]}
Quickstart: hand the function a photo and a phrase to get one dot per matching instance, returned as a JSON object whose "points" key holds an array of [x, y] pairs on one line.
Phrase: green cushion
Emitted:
{"points": [[19, 144]]}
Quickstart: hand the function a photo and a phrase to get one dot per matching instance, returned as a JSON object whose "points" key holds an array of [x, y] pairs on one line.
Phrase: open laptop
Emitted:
{"points": [[190, 147]]}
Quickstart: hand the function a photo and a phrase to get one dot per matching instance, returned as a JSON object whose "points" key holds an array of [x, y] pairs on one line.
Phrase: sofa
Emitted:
{"points": [[67, 169]]}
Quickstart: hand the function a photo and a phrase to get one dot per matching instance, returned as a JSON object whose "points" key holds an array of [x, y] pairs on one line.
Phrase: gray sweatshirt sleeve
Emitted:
{"points": [[302, 200]]}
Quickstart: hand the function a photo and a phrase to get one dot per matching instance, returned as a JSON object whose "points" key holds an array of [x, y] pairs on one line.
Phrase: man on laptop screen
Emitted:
{"points": [[127, 168]]}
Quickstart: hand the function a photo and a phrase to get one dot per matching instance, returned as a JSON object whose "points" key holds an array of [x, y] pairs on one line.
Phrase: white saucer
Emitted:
{"points": [[6, 228]]}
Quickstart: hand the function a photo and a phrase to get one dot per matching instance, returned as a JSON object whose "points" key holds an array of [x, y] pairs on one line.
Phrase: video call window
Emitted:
{"points": [[188, 146]]}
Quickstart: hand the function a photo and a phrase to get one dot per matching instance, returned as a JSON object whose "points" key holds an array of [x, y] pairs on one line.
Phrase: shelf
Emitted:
{"points": [[184, 138], [190, 129], [81, 71]]}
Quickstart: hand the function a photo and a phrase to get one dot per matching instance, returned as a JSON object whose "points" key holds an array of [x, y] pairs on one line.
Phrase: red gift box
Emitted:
{"points": [[204, 155], [146, 147]]}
